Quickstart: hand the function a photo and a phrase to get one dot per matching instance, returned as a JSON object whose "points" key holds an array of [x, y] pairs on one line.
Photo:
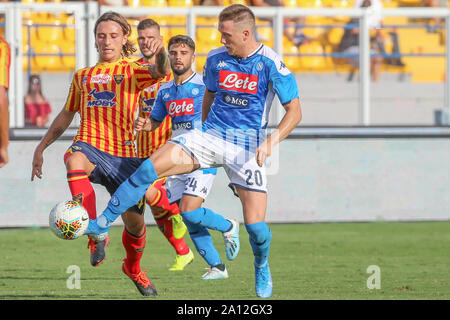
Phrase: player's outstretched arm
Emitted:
{"points": [[56, 129], [290, 120]]}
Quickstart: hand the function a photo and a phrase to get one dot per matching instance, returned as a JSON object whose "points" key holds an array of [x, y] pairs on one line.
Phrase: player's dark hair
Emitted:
{"points": [[128, 49], [148, 23], [237, 13], [182, 39]]}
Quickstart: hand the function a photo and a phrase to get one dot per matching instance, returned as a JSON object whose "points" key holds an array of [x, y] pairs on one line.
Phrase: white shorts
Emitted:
{"points": [[197, 183], [211, 151]]}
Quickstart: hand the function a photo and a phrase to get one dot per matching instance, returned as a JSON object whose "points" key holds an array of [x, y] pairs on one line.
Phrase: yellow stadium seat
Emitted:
{"points": [[310, 3], [339, 3], [290, 58], [180, 3], [290, 3], [154, 3], [68, 62], [200, 62], [52, 62], [69, 29], [312, 62], [265, 35], [410, 3], [51, 31], [208, 35], [334, 35]]}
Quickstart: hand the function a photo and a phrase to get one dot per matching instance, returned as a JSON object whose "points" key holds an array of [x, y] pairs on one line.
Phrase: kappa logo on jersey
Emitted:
{"points": [[180, 107], [101, 78], [236, 81], [102, 99]]}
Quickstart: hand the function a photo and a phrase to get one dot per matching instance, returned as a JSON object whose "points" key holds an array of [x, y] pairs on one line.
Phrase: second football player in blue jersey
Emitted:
{"points": [[241, 81]]}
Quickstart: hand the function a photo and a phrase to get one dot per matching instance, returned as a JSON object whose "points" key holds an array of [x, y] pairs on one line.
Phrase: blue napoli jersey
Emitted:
{"points": [[183, 103], [244, 90]]}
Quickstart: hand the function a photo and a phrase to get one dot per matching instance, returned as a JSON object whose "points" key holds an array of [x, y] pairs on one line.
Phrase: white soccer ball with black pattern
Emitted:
{"points": [[68, 220]]}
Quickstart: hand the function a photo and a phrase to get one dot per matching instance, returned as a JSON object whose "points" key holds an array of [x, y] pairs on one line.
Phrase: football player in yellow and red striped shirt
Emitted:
{"points": [[5, 62], [106, 97], [167, 216]]}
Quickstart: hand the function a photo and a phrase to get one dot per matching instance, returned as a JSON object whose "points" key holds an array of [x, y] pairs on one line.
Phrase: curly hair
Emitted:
{"points": [[128, 48]]}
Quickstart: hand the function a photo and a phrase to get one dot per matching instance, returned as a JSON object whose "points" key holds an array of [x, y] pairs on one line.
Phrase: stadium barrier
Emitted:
{"points": [[322, 175], [85, 14]]}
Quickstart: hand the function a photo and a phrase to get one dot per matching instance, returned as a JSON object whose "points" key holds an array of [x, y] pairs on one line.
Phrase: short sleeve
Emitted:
{"points": [[283, 81], [74, 97], [159, 111], [209, 76]]}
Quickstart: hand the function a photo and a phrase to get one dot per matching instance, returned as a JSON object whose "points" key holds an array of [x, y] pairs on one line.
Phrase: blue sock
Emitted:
{"points": [[260, 237], [203, 243], [130, 191], [207, 218]]}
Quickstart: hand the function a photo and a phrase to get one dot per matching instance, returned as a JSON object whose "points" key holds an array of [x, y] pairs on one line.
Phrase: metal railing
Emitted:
{"points": [[86, 13]]}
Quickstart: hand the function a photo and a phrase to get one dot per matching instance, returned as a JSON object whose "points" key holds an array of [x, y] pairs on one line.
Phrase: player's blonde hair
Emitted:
{"points": [[128, 48]]}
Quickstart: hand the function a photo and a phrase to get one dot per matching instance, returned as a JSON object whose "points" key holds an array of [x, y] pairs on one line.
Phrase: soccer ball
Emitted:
{"points": [[68, 220]]}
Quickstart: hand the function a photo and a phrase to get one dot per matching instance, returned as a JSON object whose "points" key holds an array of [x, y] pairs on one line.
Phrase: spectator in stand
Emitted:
{"points": [[350, 45], [378, 39], [433, 22], [297, 37], [37, 107]]}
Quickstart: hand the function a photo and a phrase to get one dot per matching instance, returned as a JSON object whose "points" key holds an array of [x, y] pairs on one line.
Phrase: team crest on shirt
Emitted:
{"points": [[148, 104], [259, 66], [101, 99], [118, 78], [101, 78]]}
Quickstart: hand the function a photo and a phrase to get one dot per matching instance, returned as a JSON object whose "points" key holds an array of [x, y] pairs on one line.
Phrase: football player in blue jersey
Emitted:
{"points": [[241, 80], [181, 99]]}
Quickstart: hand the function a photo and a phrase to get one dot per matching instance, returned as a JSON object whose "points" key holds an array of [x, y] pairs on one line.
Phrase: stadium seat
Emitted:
{"points": [[68, 62], [312, 62], [180, 3], [290, 3], [52, 62], [154, 3], [50, 30], [334, 36], [310, 3]]}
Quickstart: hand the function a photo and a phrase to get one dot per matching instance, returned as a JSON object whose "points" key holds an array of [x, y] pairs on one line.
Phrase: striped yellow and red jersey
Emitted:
{"points": [[106, 96], [149, 142], [5, 62]]}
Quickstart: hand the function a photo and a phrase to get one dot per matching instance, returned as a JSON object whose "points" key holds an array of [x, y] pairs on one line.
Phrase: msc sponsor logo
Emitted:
{"points": [[237, 81], [235, 100], [102, 98], [180, 107], [187, 125]]}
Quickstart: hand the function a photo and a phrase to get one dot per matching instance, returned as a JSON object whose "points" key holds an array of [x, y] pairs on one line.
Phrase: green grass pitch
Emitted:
{"points": [[308, 262]]}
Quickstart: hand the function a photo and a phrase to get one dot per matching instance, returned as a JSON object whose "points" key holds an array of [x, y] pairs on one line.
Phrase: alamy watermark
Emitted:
{"points": [[374, 281], [74, 280]]}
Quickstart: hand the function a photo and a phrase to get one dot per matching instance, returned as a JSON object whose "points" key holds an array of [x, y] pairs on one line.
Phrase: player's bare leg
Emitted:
{"points": [[254, 206], [79, 169]]}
